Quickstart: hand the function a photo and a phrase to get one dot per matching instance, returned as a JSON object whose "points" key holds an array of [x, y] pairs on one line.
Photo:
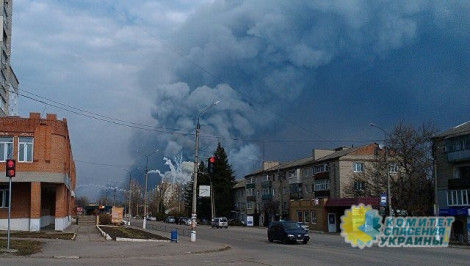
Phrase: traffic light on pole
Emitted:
{"points": [[211, 164], [10, 168]]}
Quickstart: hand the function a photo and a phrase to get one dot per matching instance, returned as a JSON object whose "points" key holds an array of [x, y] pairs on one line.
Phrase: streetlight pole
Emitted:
{"points": [[196, 162], [144, 223], [389, 198]]}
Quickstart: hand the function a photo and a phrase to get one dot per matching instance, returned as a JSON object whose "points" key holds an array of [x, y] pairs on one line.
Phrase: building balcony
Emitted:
{"points": [[458, 156], [250, 198], [266, 184], [267, 197], [322, 193], [296, 195], [322, 175], [250, 185], [459, 183]]}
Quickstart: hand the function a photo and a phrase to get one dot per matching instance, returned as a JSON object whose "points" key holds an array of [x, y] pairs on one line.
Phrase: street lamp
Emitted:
{"points": [[144, 224], [389, 198], [196, 159], [129, 213]]}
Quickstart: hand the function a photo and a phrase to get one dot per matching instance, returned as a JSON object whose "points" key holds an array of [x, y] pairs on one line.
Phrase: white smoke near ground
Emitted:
{"points": [[258, 58], [180, 171]]}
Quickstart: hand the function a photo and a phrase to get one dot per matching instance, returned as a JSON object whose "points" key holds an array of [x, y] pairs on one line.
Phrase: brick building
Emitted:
{"points": [[43, 188]]}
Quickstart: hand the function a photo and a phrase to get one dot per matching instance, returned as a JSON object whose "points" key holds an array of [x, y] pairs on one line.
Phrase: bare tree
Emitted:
{"points": [[411, 150], [410, 168], [136, 197], [81, 201]]}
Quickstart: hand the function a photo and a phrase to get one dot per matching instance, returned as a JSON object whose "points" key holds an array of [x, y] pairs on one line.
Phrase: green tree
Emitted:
{"points": [[223, 180]]}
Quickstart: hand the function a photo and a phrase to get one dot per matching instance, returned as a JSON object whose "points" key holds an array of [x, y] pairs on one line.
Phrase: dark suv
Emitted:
{"points": [[286, 232]]}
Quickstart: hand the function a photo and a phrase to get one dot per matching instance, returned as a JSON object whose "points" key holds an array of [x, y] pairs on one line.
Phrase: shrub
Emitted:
{"points": [[105, 219]]}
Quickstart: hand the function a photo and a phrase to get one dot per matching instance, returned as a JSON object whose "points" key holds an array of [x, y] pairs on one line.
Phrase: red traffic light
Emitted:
{"points": [[10, 168], [212, 159]]}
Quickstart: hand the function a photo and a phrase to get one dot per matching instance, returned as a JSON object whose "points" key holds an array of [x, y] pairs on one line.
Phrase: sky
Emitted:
{"points": [[132, 77]]}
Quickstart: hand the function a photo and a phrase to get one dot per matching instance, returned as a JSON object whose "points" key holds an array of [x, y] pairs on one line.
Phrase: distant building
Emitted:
{"points": [[310, 189], [8, 80], [43, 188], [451, 152]]}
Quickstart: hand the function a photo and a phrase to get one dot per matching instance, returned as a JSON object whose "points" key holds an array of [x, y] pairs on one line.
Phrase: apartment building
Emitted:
{"points": [[8, 79], [310, 189], [43, 188], [451, 152]]}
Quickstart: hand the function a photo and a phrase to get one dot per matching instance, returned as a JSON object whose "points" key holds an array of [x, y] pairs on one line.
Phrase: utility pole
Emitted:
{"points": [[196, 162]]}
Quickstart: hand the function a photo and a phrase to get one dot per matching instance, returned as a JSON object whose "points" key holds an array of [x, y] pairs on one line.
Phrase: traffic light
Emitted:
{"points": [[211, 165], [11, 168]]}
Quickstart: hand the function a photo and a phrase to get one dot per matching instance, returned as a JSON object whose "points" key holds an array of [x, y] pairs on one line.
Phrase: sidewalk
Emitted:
{"points": [[88, 243]]}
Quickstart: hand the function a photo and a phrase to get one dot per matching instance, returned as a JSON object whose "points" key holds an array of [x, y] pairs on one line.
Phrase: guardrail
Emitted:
{"points": [[163, 228]]}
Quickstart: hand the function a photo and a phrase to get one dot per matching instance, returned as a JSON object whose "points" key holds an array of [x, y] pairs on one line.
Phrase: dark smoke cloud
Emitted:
{"points": [[263, 58]]}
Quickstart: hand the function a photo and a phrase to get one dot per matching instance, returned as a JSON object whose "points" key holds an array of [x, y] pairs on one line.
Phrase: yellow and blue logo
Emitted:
{"points": [[360, 226]]}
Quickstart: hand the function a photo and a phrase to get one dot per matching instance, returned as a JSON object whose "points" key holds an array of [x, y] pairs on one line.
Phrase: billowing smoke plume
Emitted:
{"points": [[260, 57]]}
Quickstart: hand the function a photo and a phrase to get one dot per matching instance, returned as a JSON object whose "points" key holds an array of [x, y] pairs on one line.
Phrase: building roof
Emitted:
{"points": [[462, 129], [309, 160], [240, 183]]}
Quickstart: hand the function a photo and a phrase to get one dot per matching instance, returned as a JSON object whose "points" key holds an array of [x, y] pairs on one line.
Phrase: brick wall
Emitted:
{"points": [[51, 154]]}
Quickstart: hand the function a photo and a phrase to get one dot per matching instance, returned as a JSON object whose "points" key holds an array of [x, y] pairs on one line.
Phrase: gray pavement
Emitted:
{"points": [[89, 243]]}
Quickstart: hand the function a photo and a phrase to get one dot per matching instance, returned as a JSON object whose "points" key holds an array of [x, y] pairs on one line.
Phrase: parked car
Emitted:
{"points": [[170, 219], [286, 232], [183, 220], [219, 222], [304, 226]]}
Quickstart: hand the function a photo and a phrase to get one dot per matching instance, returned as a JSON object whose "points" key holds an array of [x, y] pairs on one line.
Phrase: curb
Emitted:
{"points": [[140, 240], [105, 235]]}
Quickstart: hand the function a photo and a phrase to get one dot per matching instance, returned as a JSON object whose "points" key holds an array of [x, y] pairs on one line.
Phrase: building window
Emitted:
{"points": [[6, 148], [249, 205], [4, 197], [359, 186], [306, 217], [314, 217], [299, 216], [25, 149], [306, 172], [323, 184], [393, 169], [358, 167], [320, 168], [250, 192], [458, 197]]}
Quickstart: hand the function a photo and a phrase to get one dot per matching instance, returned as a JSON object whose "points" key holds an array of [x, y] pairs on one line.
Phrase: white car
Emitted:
{"points": [[220, 222]]}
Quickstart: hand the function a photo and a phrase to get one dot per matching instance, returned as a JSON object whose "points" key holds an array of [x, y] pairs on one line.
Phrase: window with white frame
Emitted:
{"points": [[320, 168], [4, 197], [250, 192], [358, 167], [306, 216], [323, 184], [458, 197], [314, 217], [359, 186], [25, 149], [393, 168], [6, 148], [249, 205], [306, 172]]}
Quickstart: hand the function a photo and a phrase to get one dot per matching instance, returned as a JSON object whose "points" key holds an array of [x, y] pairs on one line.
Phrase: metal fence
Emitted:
{"points": [[163, 228]]}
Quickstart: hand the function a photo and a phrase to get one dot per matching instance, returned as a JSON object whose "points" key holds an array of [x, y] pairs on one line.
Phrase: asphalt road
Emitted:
{"points": [[249, 246]]}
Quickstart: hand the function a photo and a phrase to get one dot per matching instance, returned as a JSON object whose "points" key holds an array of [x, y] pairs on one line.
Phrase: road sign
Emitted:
{"points": [[383, 199]]}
